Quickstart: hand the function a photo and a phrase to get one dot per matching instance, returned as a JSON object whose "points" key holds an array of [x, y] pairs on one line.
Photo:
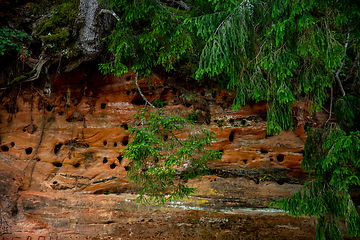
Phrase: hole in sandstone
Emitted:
{"points": [[128, 78], [57, 164], [105, 160], [280, 182], [138, 101], [256, 181], [4, 148], [127, 168], [125, 141], [61, 113], [37, 159], [115, 144], [103, 105], [280, 158], [55, 182], [263, 151], [76, 165], [202, 93], [232, 121], [271, 159], [245, 161], [12, 144], [49, 108], [24, 129], [113, 165], [128, 93], [28, 150], [105, 143], [124, 126], [57, 148], [133, 90], [120, 158], [231, 136], [187, 105], [243, 122]]}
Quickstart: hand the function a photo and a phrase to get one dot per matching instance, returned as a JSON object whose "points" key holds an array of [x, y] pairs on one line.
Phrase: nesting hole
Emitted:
{"points": [[12, 144], [243, 122], [271, 159], [128, 78], [49, 108], [280, 182], [263, 151], [187, 105], [138, 101], [57, 164], [202, 93], [76, 165], [125, 141], [37, 159], [103, 105], [57, 148], [232, 121], [124, 126], [105, 143], [280, 158], [4, 148], [113, 165], [133, 90], [245, 161], [55, 182], [127, 168], [28, 150], [128, 93], [231, 136], [105, 160]]}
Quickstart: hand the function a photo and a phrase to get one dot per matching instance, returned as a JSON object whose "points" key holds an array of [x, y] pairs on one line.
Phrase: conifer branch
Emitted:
{"points": [[142, 95], [343, 61], [110, 12]]}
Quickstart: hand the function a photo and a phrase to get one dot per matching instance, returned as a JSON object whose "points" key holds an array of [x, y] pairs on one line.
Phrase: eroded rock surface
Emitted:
{"points": [[83, 128]]}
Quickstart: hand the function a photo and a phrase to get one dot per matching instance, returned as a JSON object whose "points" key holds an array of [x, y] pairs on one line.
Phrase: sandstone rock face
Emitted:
{"points": [[60, 152]]}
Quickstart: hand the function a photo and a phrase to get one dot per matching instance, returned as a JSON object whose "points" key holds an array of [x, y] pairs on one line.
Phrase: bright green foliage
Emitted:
{"points": [[277, 50], [332, 157], [12, 39], [159, 158], [149, 34], [159, 103]]}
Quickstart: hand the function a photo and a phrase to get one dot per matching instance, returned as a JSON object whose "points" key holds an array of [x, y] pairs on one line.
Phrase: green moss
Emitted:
{"points": [[64, 16], [60, 36]]}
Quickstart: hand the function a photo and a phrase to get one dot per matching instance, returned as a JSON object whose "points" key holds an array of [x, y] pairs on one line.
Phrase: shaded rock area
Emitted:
{"points": [[74, 183]]}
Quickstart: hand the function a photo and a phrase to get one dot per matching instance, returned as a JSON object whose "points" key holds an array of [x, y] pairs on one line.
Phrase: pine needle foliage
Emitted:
{"points": [[160, 161], [149, 34], [278, 50], [332, 159]]}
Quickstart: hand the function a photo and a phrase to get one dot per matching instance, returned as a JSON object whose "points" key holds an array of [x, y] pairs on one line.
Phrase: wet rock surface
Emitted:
{"points": [[61, 186]]}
